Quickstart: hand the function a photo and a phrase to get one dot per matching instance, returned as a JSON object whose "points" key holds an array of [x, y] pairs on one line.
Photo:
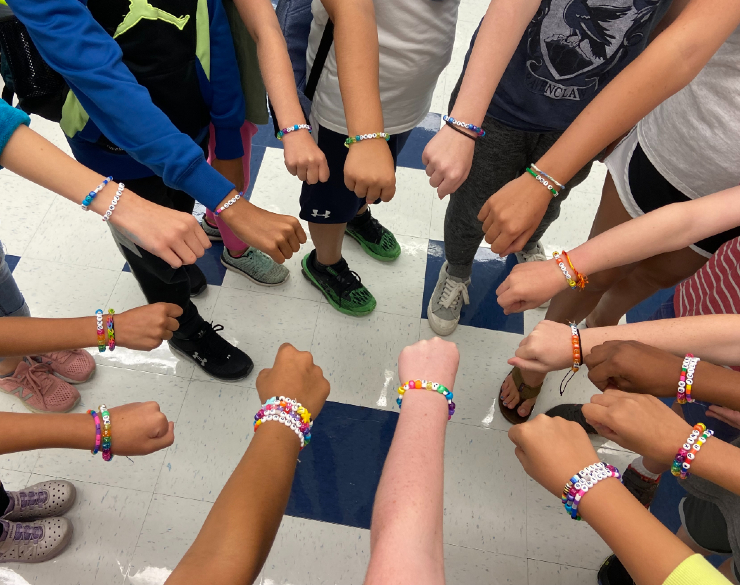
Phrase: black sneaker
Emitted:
{"points": [[612, 572], [573, 413], [643, 488], [197, 279], [374, 238], [341, 286], [213, 354]]}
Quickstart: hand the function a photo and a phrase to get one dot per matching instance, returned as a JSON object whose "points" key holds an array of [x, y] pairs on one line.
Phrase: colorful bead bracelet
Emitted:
{"points": [[106, 443], [477, 129], [288, 412], [583, 481], [686, 454], [427, 385], [550, 187], [564, 269], [686, 380], [360, 137], [581, 280], [544, 174], [578, 281], [576, 342], [105, 330], [228, 204], [111, 331], [101, 330], [96, 419], [293, 128], [114, 202], [91, 195]]}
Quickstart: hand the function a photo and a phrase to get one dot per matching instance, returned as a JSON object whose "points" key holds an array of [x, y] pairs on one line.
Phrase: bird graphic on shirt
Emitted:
{"points": [[587, 22], [141, 10]]}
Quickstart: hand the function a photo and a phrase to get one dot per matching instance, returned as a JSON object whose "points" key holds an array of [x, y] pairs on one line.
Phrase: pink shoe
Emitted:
{"points": [[74, 366], [39, 389]]}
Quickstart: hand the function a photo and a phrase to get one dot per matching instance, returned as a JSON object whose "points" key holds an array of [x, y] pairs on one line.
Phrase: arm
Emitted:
{"points": [[250, 507]]}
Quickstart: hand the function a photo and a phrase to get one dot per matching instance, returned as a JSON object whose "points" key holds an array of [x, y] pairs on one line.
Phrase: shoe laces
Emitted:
{"points": [[213, 345], [32, 498], [348, 280], [28, 531], [452, 292], [32, 379]]}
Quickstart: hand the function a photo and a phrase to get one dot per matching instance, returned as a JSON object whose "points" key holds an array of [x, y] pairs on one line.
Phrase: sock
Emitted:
{"points": [[360, 220], [214, 226], [322, 267], [640, 468], [463, 272], [235, 256], [5, 501]]}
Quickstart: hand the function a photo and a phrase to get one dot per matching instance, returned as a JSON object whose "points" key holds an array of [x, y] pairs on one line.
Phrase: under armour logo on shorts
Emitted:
{"points": [[316, 213]]}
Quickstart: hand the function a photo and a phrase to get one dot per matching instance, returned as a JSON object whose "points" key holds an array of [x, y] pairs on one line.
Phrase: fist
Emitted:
{"points": [[144, 328], [139, 428], [433, 359]]}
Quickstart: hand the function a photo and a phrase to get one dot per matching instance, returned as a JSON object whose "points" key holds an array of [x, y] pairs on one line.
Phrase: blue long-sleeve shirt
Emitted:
{"points": [[10, 119]]}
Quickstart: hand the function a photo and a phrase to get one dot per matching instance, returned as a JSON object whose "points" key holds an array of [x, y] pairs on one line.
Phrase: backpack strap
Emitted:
{"points": [[318, 63]]}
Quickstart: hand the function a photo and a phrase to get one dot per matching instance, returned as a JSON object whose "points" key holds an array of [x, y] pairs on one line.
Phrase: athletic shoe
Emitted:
{"points": [[257, 267], [643, 488], [213, 354], [74, 366], [34, 542], [40, 500], [572, 412], [534, 254], [212, 232], [39, 389], [447, 301], [612, 572], [197, 279], [341, 286], [375, 239]]}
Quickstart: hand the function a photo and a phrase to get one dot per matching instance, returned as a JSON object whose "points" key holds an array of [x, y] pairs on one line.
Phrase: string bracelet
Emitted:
{"points": [[582, 482], [112, 206], [472, 137], [96, 419], [477, 129], [581, 280], [106, 442], [544, 174], [289, 412], [360, 137], [427, 385], [111, 331], [228, 204], [293, 128], [101, 330], [687, 453], [91, 195]]}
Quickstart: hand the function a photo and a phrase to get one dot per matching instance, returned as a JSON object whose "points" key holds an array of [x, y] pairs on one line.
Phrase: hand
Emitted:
{"points": [[726, 415], [294, 375], [139, 428], [433, 359], [278, 236], [638, 422], [304, 159], [173, 236], [529, 285], [232, 169], [547, 349], [448, 158], [511, 215], [144, 328], [369, 170], [634, 367], [536, 441]]}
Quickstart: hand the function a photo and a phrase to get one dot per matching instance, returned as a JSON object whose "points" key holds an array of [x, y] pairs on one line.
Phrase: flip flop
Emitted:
{"points": [[525, 393]]}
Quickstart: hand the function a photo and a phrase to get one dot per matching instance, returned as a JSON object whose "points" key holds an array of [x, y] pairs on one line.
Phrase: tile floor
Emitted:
{"points": [[134, 519]]}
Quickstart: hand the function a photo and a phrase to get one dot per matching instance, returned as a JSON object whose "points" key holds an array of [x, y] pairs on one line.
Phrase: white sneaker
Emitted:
{"points": [[447, 301], [535, 254]]}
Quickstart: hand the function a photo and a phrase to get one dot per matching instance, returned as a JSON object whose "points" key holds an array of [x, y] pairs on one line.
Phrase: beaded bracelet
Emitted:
{"points": [[101, 330], [686, 454], [478, 130], [111, 331], [581, 280], [427, 385], [583, 481], [360, 137], [544, 174], [682, 380], [290, 129], [91, 195], [690, 377], [576, 341], [112, 206], [564, 269], [228, 204], [96, 419], [289, 412], [544, 181], [103, 410]]}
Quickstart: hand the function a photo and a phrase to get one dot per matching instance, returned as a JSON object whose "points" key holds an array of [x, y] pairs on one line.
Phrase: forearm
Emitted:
{"points": [[248, 511], [406, 533], [25, 432], [21, 336]]}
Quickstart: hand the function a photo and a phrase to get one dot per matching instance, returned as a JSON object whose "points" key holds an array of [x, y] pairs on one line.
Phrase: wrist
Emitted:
{"points": [[234, 210]]}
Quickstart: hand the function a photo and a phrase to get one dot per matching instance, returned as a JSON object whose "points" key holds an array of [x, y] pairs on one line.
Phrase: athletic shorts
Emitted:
{"points": [[643, 189], [332, 202]]}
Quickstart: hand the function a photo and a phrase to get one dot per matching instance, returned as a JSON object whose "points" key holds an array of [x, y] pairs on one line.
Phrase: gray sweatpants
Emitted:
{"points": [[500, 156]]}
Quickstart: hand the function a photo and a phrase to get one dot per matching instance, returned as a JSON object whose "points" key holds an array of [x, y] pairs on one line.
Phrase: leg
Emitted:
{"points": [[327, 238], [12, 304]]}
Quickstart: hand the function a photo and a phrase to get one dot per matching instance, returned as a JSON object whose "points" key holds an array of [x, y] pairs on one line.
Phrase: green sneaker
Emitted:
{"points": [[257, 267], [341, 286], [211, 231], [375, 239]]}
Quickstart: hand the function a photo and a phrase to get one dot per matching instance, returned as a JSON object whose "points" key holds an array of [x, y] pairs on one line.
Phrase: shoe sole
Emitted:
{"points": [[438, 330], [254, 280], [369, 252], [198, 292], [197, 363], [37, 411], [331, 302]]}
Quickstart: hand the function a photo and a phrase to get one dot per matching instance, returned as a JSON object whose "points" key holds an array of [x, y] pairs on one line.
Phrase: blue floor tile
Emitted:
{"points": [[210, 264], [489, 271], [410, 156], [12, 261], [266, 136], [339, 472], [255, 162]]}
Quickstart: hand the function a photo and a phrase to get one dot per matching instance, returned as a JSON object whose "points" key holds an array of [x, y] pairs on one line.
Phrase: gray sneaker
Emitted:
{"points": [[447, 301], [534, 254], [34, 542], [41, 500], [212, 232], [257, 267]]}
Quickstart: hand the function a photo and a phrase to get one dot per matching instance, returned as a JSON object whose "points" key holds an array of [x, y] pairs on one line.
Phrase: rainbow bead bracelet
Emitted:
{"points": [[360, 137], [427, 385], [581, 482], [289, 412]]}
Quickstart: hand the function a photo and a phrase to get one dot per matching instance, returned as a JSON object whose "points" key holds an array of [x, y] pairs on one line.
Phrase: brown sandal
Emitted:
{"points": [[525, 393]]}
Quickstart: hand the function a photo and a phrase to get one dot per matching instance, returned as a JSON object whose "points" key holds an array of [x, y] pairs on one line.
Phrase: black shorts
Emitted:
{"points": [[332, 202]]}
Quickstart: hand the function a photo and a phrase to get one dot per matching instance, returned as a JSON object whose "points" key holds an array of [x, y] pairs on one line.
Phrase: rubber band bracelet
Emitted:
{"points": [[107, 437], [687, 453], [360, 137], [96, 419], [581, 482], [293, 128], [101, 330], [544, 181], [228, 204], [544, 174], [111, 331], [427, 385], [472, 137], [91, 195], [114, 202], [477, 129], [289, 412], [576, 342]]}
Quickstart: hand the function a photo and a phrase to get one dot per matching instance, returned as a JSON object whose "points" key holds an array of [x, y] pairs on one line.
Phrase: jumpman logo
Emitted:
{"points": [[141, 9]]}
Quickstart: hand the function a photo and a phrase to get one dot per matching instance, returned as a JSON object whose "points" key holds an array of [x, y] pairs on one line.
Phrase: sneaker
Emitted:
{"points": [[212, 231], [39, 389], [213, 354], [40, 500], [612, 572], [572, 412], [375, 239], [257, 267], [74, 366], [534, 254], [341, 286], [197, 279], [34, 542], [640, 486], [447, 301]]}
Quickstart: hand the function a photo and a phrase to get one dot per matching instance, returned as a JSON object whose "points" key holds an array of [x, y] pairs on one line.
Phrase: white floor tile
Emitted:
{"points": [[410, 210], [25, 206], [14, 480], [541, 573], [467, 566]]}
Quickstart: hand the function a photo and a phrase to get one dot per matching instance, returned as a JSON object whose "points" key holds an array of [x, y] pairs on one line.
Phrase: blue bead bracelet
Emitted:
{"points": [[293, 128], [91, 195], [479, 131]]}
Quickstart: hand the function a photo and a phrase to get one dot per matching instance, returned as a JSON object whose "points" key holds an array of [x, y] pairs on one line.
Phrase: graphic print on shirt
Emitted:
{"points": [[573, 43]]}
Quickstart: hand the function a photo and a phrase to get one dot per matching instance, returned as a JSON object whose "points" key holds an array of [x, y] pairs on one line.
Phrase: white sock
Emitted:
{"points": [[640, 468]]}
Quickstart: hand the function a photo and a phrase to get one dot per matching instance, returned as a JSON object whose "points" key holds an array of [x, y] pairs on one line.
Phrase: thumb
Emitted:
{"points": [[173, 310], [525, 364]]}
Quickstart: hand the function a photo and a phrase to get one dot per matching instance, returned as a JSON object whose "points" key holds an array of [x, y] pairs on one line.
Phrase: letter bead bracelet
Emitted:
{"points": [[91, 195], [685, 457], [543, 179], [477, 129], [112, 206], [288, 412], [686, 380], [360, 137], [583, 481], [105, 330], [102, 432], [228, 204], [293, 128], [427, 385], [578, 281]]}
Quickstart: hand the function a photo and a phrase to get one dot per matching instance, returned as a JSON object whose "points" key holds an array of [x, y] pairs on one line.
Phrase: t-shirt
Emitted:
{"points": [[692, 137], [415, 40], [569, 52], [694, 570]]}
